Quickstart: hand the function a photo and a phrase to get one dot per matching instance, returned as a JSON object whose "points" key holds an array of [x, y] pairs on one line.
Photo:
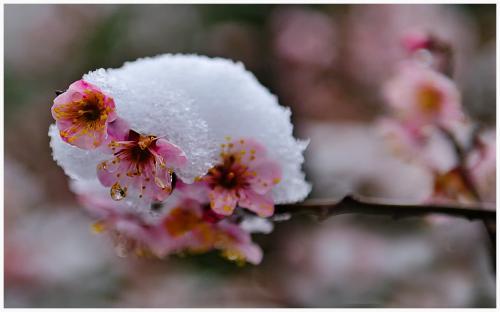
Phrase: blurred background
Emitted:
{"points": [[326, 62]]}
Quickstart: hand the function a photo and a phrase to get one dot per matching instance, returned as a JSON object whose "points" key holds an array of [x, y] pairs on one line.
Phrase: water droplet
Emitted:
{"points": [[117, 192], [164, 183]]}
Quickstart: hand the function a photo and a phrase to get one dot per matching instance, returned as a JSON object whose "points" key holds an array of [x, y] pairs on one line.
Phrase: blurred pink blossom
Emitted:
{"points": [[304, 37], [185, 226], [427, 147], [375, 33], [416, 40], [422, 96]]}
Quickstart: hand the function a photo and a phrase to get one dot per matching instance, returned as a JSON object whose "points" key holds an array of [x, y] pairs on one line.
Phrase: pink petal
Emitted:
{"points": [[118, 129], [151, 236], [252, 252], [66, 97], [222, 201], [156, 186], [91, 140], [415, 41], [248, 149], [107, 174], [75, 92], [197, 191], [262, 205], [267, 174], [171, 153], [81, 86], [241, 242]]}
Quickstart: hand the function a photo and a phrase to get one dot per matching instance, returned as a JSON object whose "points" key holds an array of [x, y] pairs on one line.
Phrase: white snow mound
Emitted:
{"points": [[194, 102]]}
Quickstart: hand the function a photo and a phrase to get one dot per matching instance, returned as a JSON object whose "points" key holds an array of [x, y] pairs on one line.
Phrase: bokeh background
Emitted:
{"points": [[326, 62]]}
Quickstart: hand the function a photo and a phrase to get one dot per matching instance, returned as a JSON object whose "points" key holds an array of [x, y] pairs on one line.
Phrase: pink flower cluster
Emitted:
{"points": [[427, 125], [198, 217], [187, 226]]}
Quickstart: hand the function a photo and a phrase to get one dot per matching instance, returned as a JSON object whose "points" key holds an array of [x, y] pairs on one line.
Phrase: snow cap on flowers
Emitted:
{"points": [[194, 103]]}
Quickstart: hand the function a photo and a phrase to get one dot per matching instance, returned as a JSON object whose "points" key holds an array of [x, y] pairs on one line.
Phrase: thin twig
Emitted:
{"points": [[322, 209], [461, 153]]}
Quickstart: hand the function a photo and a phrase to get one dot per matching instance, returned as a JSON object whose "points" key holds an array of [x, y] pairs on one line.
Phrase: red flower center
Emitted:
{"points": [[138, 150], [231, 174]]}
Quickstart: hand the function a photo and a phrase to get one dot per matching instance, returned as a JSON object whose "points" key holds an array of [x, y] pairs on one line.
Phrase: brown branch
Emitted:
{"points": [[461, 154], [322, 209]]}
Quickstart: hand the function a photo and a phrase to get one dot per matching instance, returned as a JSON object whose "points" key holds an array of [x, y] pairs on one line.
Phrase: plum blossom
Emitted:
{"points": [[423, 96], [426, 147], [380, 28], [244, 177], [82, 114], [197, 229], [145, 162], [416, 40]]}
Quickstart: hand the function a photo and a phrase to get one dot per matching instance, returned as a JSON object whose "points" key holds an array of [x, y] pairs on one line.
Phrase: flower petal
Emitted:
{"points": [[267, 174], [171, 153], [118, 129], [222, 201], [238, 243], [262, 205], [248, 149], [197, 190]]}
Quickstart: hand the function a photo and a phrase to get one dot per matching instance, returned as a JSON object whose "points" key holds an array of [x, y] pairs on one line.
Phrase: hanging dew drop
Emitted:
{"points": [[117, 192], [163, 184]]}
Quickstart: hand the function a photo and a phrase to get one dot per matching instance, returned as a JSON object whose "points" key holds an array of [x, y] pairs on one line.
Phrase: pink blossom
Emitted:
{"points": [[305, 37], [143, 162], [236, 244], [482, 165], [244, 177], [427, 147], [422, 96], [416, 40], [197, 229], [82, 115], [374, 33]]}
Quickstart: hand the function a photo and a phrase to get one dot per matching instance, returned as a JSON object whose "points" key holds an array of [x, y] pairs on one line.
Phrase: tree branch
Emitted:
{"points": [[322, 209]]}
